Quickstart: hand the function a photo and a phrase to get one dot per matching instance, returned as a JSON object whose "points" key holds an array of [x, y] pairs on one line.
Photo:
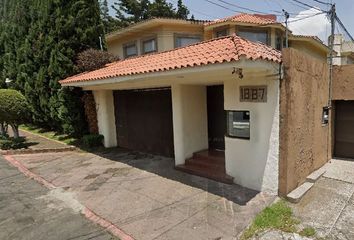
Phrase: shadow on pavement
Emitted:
{"points": [[164, 167]]}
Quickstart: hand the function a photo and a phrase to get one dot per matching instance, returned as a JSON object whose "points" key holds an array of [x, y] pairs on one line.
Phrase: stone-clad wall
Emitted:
{"points": [[304, 140]]}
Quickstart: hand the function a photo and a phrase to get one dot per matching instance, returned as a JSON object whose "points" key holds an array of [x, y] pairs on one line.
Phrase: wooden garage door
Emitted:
{"points": [[344, 129], [144, 120]]}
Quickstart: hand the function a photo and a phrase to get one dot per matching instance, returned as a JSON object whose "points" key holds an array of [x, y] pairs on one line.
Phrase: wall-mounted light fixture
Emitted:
{"points": [[238, 71]]}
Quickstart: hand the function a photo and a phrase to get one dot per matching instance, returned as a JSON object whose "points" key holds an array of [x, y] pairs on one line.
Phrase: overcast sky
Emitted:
{"points": [[318, 25]]}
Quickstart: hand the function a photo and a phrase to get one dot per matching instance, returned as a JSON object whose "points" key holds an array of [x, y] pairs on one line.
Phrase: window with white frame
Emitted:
{"points": [[149, 45], [254, 35], [185, 40], [130, 50]]}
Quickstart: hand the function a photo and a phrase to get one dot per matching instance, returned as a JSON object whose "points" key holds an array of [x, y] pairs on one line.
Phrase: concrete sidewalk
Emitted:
{"points": [[329, 205], [31, 211], [145, 197]]}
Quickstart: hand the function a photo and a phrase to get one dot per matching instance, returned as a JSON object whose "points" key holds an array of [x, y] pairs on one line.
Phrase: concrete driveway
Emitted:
{"points": [[29, 211], [146, 198], [329, 205]]}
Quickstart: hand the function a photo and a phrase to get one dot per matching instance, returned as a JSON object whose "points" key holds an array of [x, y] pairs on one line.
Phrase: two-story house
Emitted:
{"points": [[161, 34], [205, 93]]}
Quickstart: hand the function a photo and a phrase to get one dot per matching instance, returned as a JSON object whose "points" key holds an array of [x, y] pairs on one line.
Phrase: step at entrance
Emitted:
{"points": [[209, 164]]}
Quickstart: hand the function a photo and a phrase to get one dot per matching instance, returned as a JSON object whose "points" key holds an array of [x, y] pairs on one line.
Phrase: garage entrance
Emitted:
{"points": [[344, 129], [144, 120]]}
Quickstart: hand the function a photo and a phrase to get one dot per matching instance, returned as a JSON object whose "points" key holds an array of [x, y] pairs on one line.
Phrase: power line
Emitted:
{"points": [[233, 10], [197, 11], [305, 4], [243, 8], [222, 6], [300, 19], [343, 27], [297, 5], [318, 1]]}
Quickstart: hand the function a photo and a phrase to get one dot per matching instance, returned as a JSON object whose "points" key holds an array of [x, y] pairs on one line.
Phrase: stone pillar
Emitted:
{"points": [[106, 116]]}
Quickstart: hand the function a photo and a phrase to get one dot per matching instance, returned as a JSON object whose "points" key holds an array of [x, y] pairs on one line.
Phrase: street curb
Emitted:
{"points": [[88, 213], [27, 172], [34, 151], [93, 217]]}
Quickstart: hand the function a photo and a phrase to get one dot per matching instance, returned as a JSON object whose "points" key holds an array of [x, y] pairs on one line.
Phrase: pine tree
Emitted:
{"points": [[133, 11], [110, 24], [182, 10], [39, 41], [160, 8]]}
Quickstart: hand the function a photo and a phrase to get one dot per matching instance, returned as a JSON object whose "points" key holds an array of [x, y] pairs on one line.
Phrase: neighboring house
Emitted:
{"points": [[344, 50], [198, 92]]}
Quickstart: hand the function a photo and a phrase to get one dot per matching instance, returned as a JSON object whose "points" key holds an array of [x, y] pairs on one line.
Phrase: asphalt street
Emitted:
{"points": [[28, 210]]}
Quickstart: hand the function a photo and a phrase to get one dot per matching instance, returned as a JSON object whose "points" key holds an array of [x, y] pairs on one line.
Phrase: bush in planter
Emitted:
{"points": [[92, 140], [12, 143]]}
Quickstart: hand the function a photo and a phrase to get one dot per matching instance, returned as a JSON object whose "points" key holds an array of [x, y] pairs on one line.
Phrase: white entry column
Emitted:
{"points": [[190, 120], [105, 116]]}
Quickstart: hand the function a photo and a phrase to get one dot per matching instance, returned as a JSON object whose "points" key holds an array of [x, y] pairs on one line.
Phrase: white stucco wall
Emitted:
{"points": [[254, 163], [190, 127], [105, 116]]}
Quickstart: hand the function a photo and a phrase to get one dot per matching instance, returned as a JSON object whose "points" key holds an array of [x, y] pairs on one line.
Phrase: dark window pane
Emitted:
{"points": [[149, 46], [221, 33], [185, 41], [130, 50], [254, 36]]}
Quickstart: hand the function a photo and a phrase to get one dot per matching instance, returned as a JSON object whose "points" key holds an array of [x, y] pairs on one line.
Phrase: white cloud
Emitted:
{"points": [[314, 26]]}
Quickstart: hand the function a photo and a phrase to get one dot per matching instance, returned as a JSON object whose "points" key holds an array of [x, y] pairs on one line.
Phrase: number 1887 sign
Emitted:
{"points": [[253, 94]]}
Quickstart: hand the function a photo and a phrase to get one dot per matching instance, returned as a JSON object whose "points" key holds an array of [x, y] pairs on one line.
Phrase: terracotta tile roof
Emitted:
{"points": [[247, 18], [219, 50]]}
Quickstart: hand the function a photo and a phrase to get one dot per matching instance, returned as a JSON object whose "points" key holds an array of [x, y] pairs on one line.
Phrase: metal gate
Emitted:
{"points": [[144, 120], [344, 129]]}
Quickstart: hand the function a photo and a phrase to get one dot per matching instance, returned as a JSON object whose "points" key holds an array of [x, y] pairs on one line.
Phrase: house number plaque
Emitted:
{"points": [[253, 94]]}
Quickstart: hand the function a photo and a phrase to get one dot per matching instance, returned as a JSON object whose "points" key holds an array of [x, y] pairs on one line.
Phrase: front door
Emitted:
{"points": [[216, 117]]}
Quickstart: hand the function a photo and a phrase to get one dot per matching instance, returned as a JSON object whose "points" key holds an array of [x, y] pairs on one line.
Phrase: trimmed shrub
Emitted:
{"points": [[13, 109], [12, 143], [92, 140]]}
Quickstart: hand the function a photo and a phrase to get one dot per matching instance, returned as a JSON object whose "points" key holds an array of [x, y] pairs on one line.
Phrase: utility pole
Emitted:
{"points": [[332, 14], [286, 15]]}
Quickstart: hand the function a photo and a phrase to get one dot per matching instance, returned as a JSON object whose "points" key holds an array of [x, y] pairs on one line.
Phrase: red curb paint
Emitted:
{"points": [[27, 172], [89, 214]]}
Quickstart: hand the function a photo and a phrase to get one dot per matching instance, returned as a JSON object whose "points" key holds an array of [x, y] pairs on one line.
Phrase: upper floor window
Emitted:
{"points": [[221, 33], [149, 45], [184, 40], [130, 50], [254, 35]]}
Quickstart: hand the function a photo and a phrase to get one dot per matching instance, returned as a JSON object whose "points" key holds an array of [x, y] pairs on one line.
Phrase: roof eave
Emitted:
{"points": [[150, 23], [243, 62], [318, 44]]}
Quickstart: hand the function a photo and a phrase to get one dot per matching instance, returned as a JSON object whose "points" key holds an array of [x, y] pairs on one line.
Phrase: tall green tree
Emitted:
{"points": [[110, 23], [133, 11], [182, 10], [39, 42]]}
